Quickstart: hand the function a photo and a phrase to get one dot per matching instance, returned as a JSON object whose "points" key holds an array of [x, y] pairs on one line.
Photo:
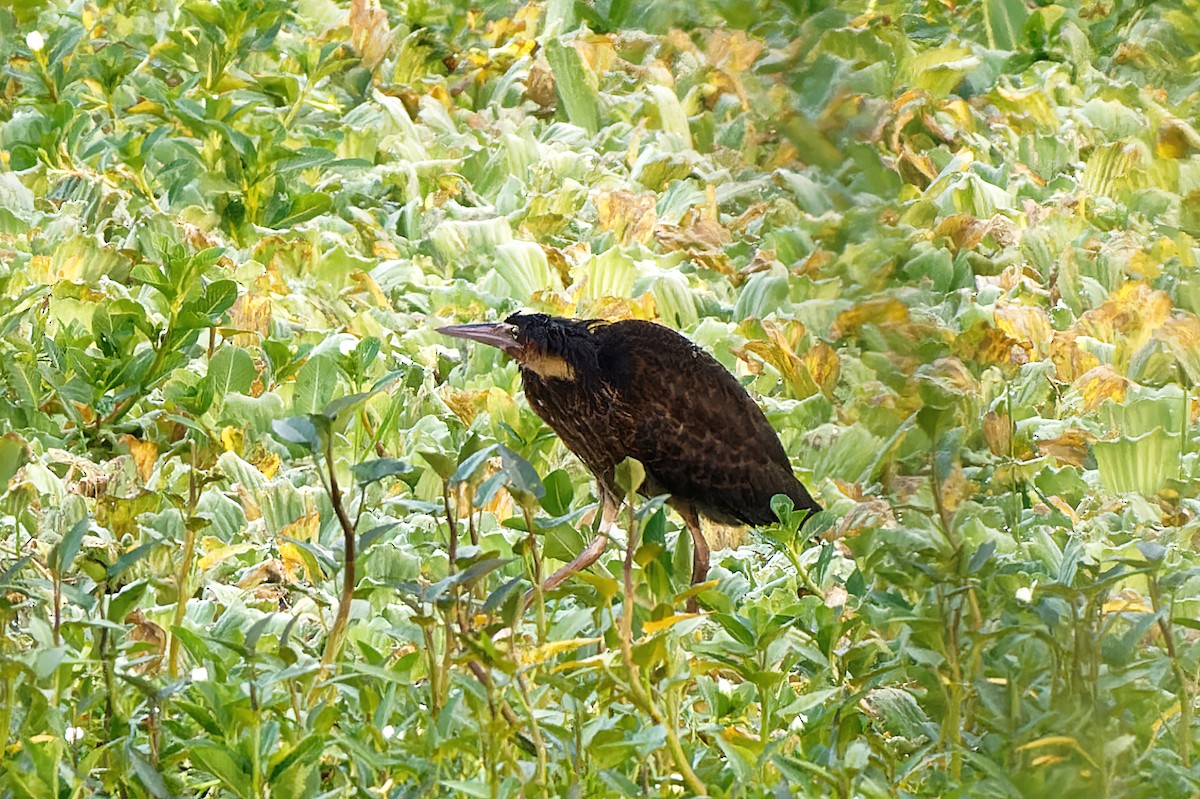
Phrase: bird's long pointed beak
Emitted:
{"points": [[495, 334]]}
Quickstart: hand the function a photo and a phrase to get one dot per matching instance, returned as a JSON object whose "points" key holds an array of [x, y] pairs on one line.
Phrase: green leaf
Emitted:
{"points": [[1005, 22], [221, 764], [630, 474], [444, 465], [472, 465], [342, 404], [375, 470], [69, 546], [231, 370], [315, 383], [519, 473], [13, 454], [305, 207], [297, 430], [559, 492], [573, 83], [149, 776]]}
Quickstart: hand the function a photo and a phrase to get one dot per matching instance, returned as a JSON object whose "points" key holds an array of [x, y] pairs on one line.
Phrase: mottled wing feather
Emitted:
{"points": [[699, 434]]}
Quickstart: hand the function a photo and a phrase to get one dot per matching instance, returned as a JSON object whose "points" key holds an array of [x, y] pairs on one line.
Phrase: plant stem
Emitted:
{"points": [[539, 593], [641, 697], [1185, 693], [182, 592], [535, 731], [338, 631]]}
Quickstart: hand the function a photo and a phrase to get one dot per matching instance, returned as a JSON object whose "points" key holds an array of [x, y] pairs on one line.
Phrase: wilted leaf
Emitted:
{"points": [[1099, 385], [1069, 447], [631, 217], [1028, 325], [875, 312]]}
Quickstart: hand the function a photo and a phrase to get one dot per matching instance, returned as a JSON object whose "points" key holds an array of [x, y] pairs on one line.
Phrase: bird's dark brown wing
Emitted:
{"points": [[699, 434]]}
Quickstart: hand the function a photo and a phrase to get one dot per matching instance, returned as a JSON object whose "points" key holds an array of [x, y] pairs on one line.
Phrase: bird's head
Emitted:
{"points": [[549, 346]]}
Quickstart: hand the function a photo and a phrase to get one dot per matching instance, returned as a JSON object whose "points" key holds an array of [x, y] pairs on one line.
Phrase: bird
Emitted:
{"points": [[634, 388]]}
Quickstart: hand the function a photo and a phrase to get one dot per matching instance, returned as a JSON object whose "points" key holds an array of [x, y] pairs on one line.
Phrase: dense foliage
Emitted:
{"points": [[950, 246]]}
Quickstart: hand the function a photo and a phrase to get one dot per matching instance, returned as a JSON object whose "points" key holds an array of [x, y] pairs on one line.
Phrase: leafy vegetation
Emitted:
{"points": [[264, 532]]}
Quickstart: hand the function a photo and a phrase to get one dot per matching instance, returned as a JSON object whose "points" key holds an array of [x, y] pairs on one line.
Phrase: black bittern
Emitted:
{"points": [[636, 389]]}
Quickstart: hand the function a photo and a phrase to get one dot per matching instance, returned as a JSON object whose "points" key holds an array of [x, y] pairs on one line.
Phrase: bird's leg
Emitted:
{"points": [[699, 549], [594, 550]]}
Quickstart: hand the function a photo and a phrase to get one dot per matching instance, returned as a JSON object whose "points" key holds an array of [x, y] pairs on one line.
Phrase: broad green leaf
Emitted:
{"points": [[575, 85], [69, 546], [316, 383], [231, 370]]}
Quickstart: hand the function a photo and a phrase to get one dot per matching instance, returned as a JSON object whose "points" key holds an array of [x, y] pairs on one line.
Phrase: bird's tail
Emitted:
{"points": [[803, 500]]}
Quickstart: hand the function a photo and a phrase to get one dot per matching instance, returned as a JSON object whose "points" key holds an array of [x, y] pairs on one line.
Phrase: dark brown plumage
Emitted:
{"points": [[613, 390]]}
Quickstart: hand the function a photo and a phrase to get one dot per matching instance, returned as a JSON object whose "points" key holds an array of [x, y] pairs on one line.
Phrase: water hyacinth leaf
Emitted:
{"points": [[454, 240], [1140, 464], [1005, 21], [610, 275], [575, 85], [524, 267]]}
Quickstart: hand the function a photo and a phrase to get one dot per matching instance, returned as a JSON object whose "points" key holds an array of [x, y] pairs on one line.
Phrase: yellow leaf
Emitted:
{"points": [[612, 308], [217, 551], [598, 51], [1176, 139], [294, 563], [548, 650], [1062, 505], [145, 107], [823, 366], [631, 217], [1070, 447], [652, 627], [251, 317], [464, 404], [233, 439], [267, 462], [304, 529], [1125, 606], [369, 32], [1100, 384], [1049, 740], [997, 432], [1181, 333], [372, 288], [875, 312], [1070, 360], [1168, 713], [1028, 325], [988, 345], [1047, 760], [249, 504], [1128, 318], [144, 453], [269, 571], [594, 662]]}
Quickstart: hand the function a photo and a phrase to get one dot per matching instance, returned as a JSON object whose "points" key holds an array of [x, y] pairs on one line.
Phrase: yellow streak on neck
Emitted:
{"points": [[549, 366]]}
